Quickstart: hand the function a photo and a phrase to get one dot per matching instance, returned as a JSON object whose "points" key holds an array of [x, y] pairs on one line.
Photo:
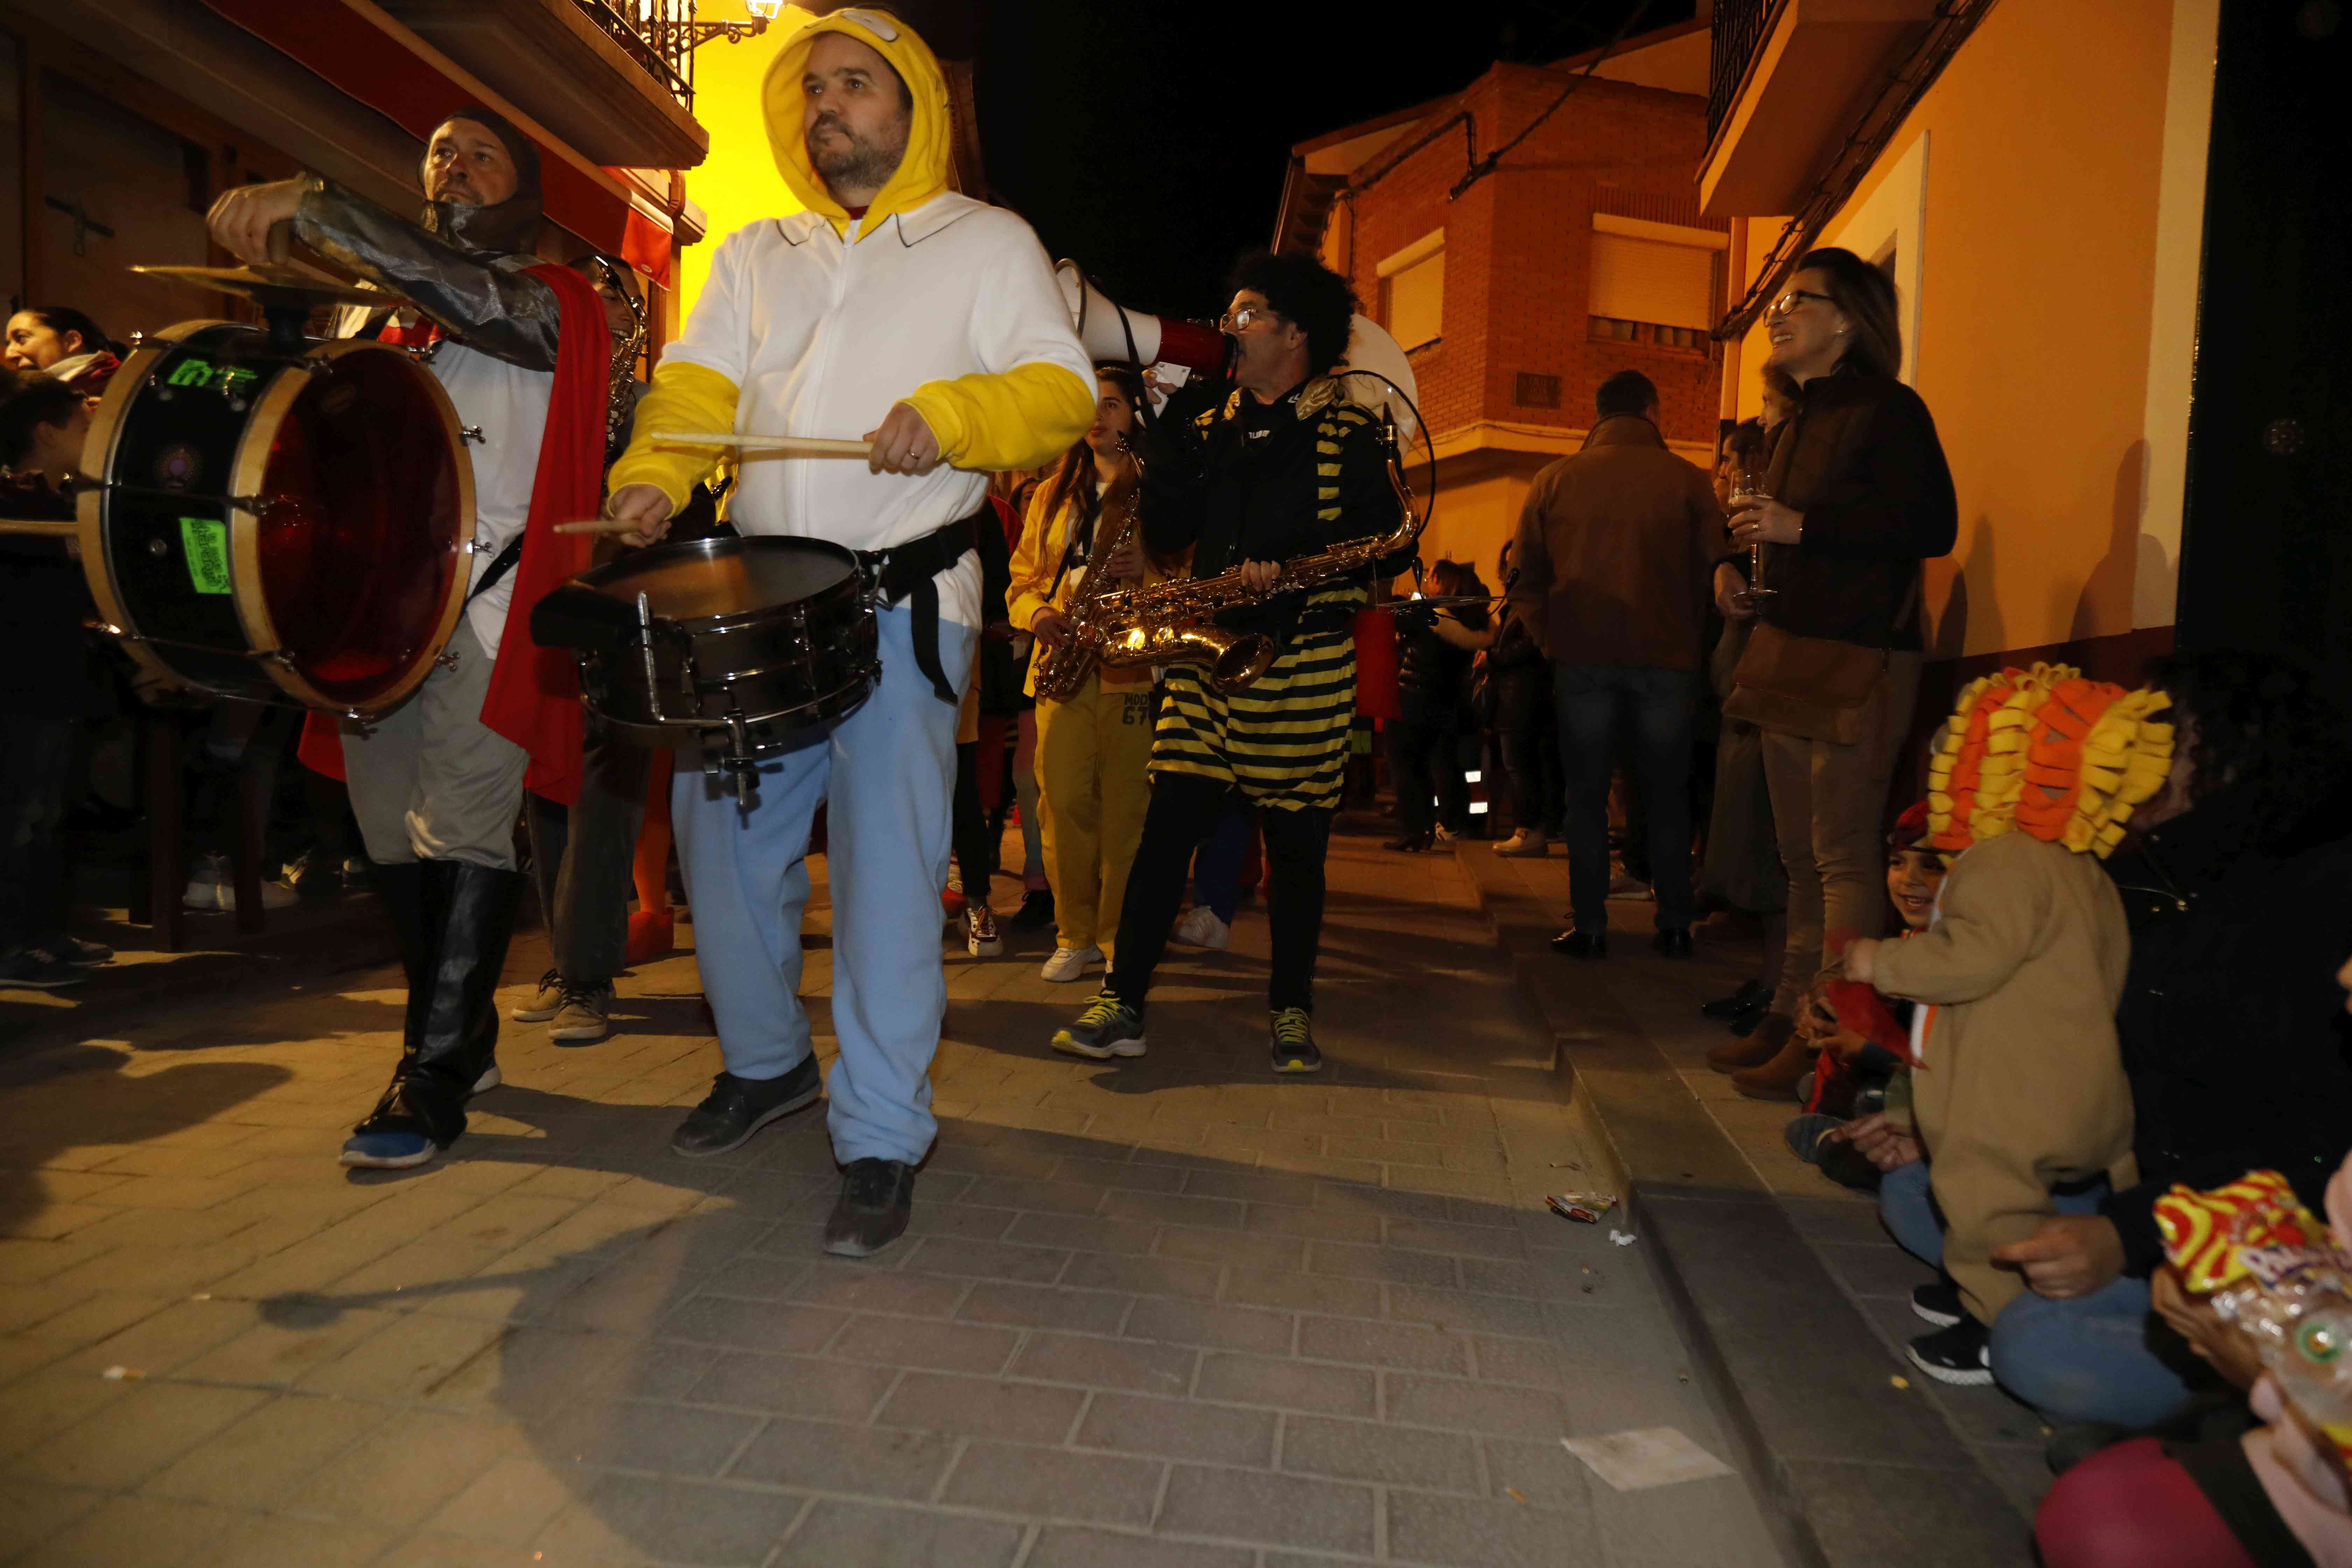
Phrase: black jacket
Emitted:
{"points": [[2233, 1026], [1860, 460], [1247, 482]]}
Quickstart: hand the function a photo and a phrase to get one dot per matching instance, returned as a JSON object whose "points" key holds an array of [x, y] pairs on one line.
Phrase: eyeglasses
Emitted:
{"points": [[1789, 301], [1237, 321]]}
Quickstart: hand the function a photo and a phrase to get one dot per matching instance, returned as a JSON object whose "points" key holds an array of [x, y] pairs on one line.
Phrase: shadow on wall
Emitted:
{"points": [[2104, 607]]}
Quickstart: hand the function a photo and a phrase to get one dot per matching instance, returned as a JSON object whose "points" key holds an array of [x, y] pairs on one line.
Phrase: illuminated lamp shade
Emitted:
{"points": [[766, 10]]}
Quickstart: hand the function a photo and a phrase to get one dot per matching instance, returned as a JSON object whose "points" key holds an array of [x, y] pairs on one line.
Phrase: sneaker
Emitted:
{"points": [[1071, 962], [207, 884], [950, 904], [1294, 1044], [980, 938], [1937, 1302], [388, 1151], [1960, 1355], [1202, 927], [583, 1015], [356, 869], [876, 1197], [738, 1107], [1804, 1135], [313, 875], [1522, 842], [545, 1004], [1108, 1029], [74, 950], [1625, 885], [38, 970], [1442, 836], [1036, 911]]}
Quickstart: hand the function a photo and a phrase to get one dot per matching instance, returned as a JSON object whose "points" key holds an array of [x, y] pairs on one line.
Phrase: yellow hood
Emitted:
{"points": [[922, 173]]}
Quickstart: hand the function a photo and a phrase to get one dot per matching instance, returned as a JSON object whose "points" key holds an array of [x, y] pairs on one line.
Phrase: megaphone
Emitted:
{"points": [[1105, 326], [1375, 372]]}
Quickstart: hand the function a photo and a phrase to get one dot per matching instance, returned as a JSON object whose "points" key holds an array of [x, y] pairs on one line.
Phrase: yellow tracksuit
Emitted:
{"points": [[1092, 754]]}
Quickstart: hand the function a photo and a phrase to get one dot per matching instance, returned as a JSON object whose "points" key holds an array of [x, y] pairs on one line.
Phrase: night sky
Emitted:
{"points": [[1148, 140]]}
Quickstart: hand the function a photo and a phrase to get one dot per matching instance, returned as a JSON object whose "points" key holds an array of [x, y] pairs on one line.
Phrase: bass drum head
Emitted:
{"points": [[711, 581], [358, 544]]}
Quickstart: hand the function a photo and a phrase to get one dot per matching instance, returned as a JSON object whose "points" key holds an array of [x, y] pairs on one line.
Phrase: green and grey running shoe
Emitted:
{"points": [[1294, 1043], [1108, 1029]]}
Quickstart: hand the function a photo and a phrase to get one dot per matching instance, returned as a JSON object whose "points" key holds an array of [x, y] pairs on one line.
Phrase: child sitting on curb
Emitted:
{"points": [[2017, 1084]]}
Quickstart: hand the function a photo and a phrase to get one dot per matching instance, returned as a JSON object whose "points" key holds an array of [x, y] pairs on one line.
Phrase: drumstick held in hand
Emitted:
{"points": [[790, 445], [599, 525]]}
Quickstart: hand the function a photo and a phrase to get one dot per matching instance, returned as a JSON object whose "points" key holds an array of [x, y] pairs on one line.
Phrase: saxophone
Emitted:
{"points": [[1174, 623], [1060, 671]]}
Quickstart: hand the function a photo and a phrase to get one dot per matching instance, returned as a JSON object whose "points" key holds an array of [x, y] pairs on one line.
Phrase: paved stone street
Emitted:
{"points": [[1167, 1313]]}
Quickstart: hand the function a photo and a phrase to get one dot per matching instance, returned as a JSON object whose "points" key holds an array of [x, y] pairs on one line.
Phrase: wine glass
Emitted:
{"points": [[1749, 486]]}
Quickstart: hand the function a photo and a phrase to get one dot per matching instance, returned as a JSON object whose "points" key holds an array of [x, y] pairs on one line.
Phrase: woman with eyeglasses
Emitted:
{"points": [[1857, 495]]}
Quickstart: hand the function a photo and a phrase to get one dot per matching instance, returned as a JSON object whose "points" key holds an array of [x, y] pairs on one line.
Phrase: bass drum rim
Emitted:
{"points": [[252, 456], [89, 507], [245, 527]]}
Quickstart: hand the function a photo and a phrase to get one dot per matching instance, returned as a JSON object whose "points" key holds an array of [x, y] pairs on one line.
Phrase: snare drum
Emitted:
{"points": [[274, 525], [737, 645]]}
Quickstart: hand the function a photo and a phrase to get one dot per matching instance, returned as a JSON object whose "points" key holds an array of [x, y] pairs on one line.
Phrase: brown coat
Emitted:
{"points": [[2022, 1086], [1616, 552]]}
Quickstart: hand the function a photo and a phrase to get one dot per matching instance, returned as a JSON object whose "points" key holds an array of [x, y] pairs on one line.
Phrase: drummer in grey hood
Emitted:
{"points": [[437, 783], [891, 310]]}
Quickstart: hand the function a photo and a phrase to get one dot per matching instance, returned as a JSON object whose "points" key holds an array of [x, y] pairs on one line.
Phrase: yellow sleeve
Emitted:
{"points": [[684, 396], [1022, 418], [1040, 544]]}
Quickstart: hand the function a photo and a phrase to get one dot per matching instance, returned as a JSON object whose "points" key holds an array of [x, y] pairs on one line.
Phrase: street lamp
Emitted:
{"points": [[695, 34]]}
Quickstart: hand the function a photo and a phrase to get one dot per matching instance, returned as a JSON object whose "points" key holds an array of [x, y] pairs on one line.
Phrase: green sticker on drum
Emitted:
{"points": [[206, 539]]}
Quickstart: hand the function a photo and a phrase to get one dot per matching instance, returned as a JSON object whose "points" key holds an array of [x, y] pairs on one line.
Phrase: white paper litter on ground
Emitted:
{"points": [[1622, 1237], [1646, 1456]]}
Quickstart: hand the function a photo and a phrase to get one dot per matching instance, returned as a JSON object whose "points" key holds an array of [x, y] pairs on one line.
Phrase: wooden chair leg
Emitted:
{"points": [[166, 865], [252, 817]]}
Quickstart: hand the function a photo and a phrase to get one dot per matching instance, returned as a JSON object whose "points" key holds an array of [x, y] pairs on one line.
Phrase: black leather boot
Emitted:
{"points": [[401, 890], [451, 1051]]}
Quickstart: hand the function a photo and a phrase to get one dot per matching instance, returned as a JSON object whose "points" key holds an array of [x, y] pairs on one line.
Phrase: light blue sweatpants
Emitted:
{"points": [[889, 771]]}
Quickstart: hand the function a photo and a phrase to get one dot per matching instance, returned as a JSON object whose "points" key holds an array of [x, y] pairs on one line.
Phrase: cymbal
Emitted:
{"points": [[273, 284]]}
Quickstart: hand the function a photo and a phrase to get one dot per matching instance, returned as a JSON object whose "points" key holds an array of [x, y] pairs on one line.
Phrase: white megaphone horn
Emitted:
{"points": [[1104, 328]]}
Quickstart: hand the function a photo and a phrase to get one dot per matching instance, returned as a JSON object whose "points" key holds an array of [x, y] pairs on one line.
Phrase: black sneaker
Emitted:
{"points": [[739, 1107], [1582, 944], [877, 1197], [38, 970], [1108, 1029], [74, 950], [1723, 1009], [1036, 911], [1937, 1302], [1962, 1353], [1294, 1043], [1675, 942]]}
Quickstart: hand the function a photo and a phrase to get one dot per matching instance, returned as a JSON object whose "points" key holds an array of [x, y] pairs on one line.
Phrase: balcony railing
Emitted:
{"points": [[1739, 27], [659, 34]]}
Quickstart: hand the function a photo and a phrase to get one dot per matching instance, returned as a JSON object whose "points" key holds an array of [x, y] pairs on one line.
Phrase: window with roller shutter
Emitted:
{"points": [[1412, 291], [1653, 282]]}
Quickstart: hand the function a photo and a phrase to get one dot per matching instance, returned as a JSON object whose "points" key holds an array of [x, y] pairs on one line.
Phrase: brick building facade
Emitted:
{"points": [[1604, 184]]}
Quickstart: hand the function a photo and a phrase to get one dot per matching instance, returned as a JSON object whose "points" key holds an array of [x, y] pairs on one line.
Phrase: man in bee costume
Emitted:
{"points": [[1286, 467]]}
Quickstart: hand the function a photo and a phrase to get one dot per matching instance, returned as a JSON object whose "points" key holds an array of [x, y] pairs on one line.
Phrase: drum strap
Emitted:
{"points": [[906, 573], [501, 564]]}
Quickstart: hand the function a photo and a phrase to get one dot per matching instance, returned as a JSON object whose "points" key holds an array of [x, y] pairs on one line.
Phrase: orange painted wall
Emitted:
{"points": [[738, 184], [2045, 140]]}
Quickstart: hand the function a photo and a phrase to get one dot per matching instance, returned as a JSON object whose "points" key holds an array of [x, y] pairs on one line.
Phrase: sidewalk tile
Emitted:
{"points": [[138, 1435], [866, 1535], [1289, 1385], [724, 1527], [937, 1346], [1475, 1533], [1223, 1328], [1383, 1344], [1304, 1292], [259, 1459], [1285, 1510], [1367, 1451], [509, 1502], [132, 1530], [1044, 1307], [989, 1259], [1107, 1363], [1058, 1547], [634, 1435], [1474, 1406], [752, 1325], [273, 1542], [822, 1457], [1180, 1429], [1048, 1483], [980, 1406]]}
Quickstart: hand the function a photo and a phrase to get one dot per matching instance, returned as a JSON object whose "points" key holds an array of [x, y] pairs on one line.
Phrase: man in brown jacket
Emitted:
{"points": [[1616, 551]]}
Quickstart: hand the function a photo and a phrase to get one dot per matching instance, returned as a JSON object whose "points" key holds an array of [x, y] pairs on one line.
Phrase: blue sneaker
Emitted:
{"points": [[388, 1151]]}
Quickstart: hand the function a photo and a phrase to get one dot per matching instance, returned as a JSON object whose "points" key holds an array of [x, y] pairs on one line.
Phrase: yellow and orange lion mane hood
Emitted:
{"points": [[2049, 753]]}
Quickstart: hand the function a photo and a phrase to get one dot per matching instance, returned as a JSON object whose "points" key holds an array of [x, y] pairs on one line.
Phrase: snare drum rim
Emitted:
{"points": [[733, 620], [245, 471], [89, 507]]}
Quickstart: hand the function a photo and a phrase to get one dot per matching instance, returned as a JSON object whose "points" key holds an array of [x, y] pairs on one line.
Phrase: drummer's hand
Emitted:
{"points": [[1257, 576], [643, 505], [1051, 627], [240, 219], [904, 445]]}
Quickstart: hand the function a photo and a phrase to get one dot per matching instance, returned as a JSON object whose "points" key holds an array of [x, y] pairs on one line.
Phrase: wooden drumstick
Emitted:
{"points": [[788, 445], [597, 525]]}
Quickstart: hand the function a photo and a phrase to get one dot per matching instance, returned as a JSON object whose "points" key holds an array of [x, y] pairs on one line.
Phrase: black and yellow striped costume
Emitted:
{"points": [[1283, 741]]}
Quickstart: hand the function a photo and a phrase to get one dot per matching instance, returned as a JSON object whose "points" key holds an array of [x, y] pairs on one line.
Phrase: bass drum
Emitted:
{"points": [[274, 526]]}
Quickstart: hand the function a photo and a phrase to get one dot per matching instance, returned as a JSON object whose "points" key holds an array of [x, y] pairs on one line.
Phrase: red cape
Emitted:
{"points": [[534, 696]]}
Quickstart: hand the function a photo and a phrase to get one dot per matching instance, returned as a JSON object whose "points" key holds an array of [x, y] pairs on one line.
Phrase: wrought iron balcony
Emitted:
{"points": [[1739, 31], [661, 35]]}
